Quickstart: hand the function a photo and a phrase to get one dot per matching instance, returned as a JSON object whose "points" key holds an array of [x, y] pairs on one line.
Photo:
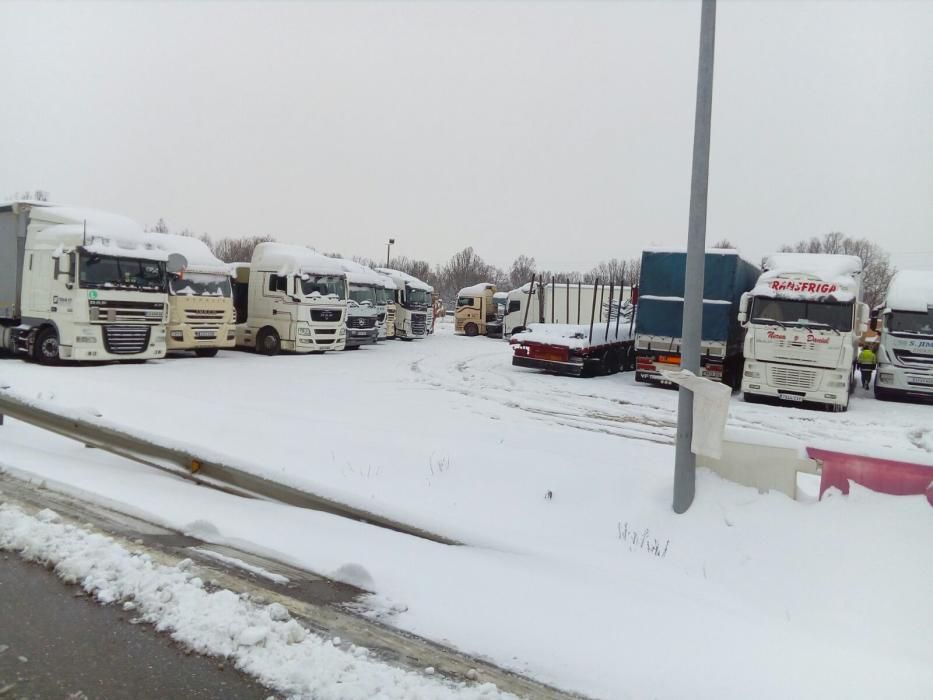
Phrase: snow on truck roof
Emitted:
{"points": [[98, 232], [709, 251], [405, 278], [480, 288], [294, 259], [910, 290], [809, 276], [360, 274], [199, 256]]}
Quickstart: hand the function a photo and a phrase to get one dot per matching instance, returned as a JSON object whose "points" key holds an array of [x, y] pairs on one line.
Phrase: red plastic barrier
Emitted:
{"points": [[882, 475]]}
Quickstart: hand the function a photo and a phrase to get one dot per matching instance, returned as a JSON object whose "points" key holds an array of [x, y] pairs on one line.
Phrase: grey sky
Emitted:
{"points": [[562, 131]]}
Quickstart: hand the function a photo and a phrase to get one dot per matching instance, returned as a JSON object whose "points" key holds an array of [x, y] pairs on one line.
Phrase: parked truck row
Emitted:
{"points": [[789, 332], [84, 285]]}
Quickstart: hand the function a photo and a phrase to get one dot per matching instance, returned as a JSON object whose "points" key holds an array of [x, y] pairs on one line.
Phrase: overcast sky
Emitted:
{"points": [[558, 130]]}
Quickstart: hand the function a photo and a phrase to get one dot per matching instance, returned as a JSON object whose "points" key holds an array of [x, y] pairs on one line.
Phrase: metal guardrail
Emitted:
{"points": [[188, 464]]}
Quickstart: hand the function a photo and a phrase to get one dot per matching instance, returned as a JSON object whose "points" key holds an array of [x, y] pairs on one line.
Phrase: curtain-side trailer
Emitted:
{"points": [[659, 321]]}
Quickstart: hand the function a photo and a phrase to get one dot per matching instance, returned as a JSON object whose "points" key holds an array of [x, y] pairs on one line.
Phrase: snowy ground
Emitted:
{"points": [[745, 594]]}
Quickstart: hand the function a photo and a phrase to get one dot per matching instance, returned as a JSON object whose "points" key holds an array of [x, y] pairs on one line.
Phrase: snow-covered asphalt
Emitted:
{"points": [[600, 588]]}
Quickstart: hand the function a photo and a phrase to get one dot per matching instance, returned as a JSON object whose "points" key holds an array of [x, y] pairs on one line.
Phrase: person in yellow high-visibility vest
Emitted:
{"points": [[866, 364]]}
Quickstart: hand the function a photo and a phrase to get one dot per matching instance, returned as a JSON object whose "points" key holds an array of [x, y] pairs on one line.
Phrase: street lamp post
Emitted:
{"points": [[389, 250], [684, 459]]}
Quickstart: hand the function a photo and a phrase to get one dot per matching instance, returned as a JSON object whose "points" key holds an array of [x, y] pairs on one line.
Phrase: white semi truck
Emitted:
{"points": [[559, 302], [386, 296], [905, 349], [80, 285], [804, 318], [200, 299], [290, 298], [365, 313], [411, 304]]}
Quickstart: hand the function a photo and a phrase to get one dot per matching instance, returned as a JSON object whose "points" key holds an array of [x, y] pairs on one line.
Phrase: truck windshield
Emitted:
{"points": [[384, 296], [912, 323], [323, 285], [200, 285], [360, 293], [805, 314], [417, 296], [109, 272], [464, 301]]}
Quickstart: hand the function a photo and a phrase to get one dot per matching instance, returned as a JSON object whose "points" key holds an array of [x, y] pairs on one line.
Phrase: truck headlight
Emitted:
{"points": [[752, 375], [837, 384], [304, 330], [885, 377]]}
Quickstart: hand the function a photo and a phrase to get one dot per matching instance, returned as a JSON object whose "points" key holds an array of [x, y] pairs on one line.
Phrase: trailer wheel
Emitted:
{"points": [[613, 361], [45, 351], [268, 342], [205, 352], [471, 329]]}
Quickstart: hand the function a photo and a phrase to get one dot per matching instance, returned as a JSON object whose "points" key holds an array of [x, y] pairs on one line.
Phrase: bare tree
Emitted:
{"points": [[239, 249], [723, 243], [523, 267], [159, 226]]}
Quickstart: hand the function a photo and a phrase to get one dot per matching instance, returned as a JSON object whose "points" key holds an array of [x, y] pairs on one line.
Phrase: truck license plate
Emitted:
{"points": [[790, 397], [926, 381], [205, 334]]}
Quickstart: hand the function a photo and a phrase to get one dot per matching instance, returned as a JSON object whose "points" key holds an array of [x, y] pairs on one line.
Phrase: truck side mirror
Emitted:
{"points": [[743, 310], [176, 263]]}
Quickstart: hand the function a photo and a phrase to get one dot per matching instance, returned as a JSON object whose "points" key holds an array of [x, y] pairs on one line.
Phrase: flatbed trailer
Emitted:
{"points": [[572, 351]]}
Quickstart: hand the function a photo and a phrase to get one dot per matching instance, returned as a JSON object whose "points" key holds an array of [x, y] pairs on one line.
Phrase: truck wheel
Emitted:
{"points": [[268, 342], [205, 352], [45, 351], [471, 329], [614, 361]]}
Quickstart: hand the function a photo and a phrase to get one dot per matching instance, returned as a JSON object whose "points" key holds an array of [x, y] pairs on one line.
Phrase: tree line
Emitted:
{"points": [[467, 268]]}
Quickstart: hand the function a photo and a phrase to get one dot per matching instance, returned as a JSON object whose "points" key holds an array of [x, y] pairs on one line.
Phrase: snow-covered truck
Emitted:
{"points": [[558, 302], [364, 313], [574, 349], [200, 299], [659, 321], [80, 285], [386, 296], [290, 298], [804, 318], [905, 348], [411, 304], [475, 308]]}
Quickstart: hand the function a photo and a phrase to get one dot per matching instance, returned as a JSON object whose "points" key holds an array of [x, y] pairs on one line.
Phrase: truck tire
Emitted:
{"points": [[205, 352], [268, 342], [45, 350], [471, 329], [614, 360]]}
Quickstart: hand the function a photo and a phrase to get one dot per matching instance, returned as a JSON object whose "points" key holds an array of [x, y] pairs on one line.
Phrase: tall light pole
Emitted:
{"points": [[684, 459], [389, 250]]}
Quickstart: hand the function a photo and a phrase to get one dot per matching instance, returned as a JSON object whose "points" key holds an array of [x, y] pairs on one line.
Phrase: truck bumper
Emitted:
{"points": [[796, 384], [85, 343], [895, 381], [569, 369], [181, 336], [356, 338]]}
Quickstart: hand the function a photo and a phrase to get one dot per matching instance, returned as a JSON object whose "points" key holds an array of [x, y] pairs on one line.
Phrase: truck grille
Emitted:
{"points": [[210, 317], [792, 378], [361, 322], [114, 310], [326, 315], [905, 357], [126, 340], [418, 324]]}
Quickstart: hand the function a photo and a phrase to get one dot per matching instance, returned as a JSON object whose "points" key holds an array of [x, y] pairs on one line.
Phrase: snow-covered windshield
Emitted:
{"points": [[913, 323], [360, 293], [200, 285], [323, 285], [384, 296], [805, 314], [417, 296], [109, 272]]}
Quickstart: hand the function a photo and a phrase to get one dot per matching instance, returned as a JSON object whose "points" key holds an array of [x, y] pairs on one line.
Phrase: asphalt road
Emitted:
{"points": [[56, 645]]}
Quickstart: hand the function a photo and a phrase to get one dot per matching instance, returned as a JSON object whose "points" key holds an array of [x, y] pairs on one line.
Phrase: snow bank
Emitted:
{"points": [[910, 290], [573, 335], [402, 278], [259, 639], [294, 259], [476, 289], [199, 256]]}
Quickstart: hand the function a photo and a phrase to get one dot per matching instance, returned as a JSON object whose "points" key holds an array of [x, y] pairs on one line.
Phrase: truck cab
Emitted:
{"points": [[475, 308], [296, 301], [386, 296], [905, 328], [411, 304], [80, 285], [803, 322], [201, 316]]}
